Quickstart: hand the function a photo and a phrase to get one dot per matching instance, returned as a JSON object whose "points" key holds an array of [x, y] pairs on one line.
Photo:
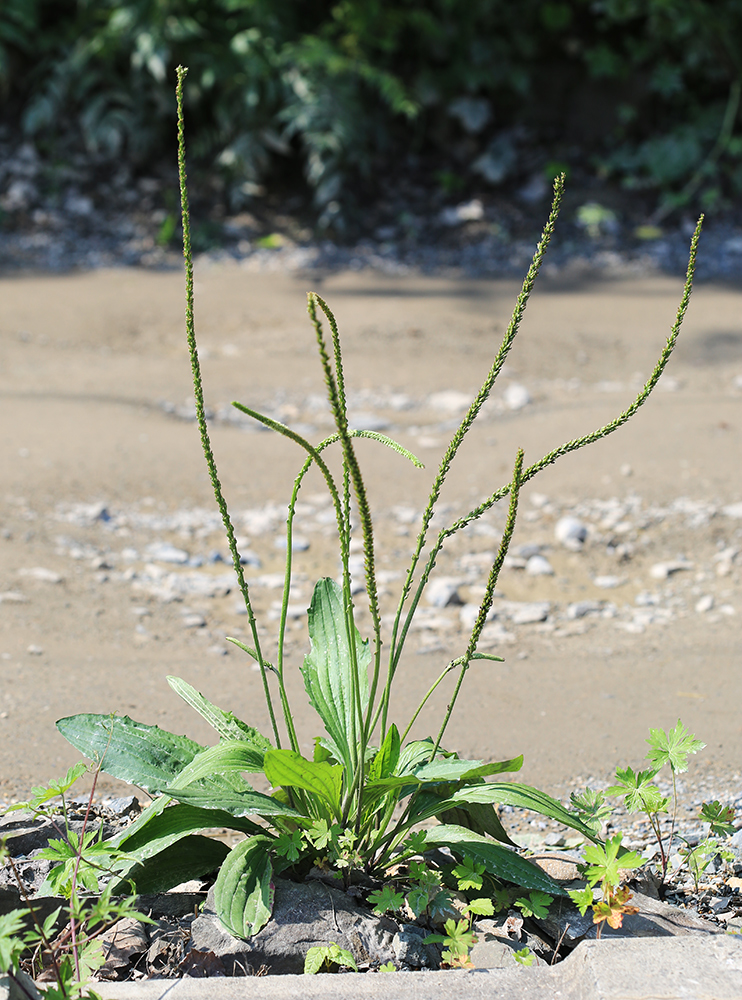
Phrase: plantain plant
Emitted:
{"points": [[357, 807]]}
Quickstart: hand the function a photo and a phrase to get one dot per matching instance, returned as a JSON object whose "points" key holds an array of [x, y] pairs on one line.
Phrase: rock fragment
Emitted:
{"points": [[571, 533], [539, 566]]}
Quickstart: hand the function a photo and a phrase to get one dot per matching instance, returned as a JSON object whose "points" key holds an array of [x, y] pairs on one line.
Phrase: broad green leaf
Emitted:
{"points": [[227, 756], [244, 891], [480, 817], [290, 770], [414, 754], [225, 723], [498, 860], [238, 804], [453, 769], [146, 756], [508, 793], [174, 823], [387, 758], [327, 669], [191, 857]]}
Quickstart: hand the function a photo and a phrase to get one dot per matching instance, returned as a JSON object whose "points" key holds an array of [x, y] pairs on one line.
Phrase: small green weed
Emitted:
{"points": [[355, 808], [73, 953]]}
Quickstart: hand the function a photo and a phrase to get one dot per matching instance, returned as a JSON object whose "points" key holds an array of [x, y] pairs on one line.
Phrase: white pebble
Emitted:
{"points": [[449, 401], [539, 566], [516, 396], [661, 570], [443, 591], [528, 613], [162, 552], [733, 510], [609, 582], [571, 532], [705, 603], [42, 574], [582, 608]]}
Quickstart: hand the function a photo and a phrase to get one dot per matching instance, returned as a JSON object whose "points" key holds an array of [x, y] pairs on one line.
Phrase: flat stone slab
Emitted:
{"points": [[672, 968]]}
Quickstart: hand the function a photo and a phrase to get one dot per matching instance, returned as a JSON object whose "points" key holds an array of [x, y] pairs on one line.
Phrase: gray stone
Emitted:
{"points": [[582, 608], [409, 948], [684, 968], [571, 532], [539, 566], [443, 592], [527, 612], [18, 987], [304, 915], [654, 919], [162, 552]]}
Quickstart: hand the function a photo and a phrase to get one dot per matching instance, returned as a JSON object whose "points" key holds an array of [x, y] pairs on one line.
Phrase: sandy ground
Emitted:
{"points": [[100, 463]]}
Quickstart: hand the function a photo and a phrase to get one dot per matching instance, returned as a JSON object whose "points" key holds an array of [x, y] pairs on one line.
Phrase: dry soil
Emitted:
{"points": [[100, 463]]}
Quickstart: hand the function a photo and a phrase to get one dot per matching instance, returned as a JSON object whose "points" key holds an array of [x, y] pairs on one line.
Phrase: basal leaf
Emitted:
{"points": [[498, 860], [413, 755], [386, 760], [172, 824], [248, 803], [289, 769], [480, 817], [225, 723], [244, 891], [327, 668], [453, 769], [513, 794], [191, 857], [146, 756], [227, 756]]}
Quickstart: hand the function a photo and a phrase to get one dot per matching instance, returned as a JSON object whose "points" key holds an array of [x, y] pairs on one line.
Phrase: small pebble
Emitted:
{"points": [[516, 396], [539, 566], [443, 592], [661, 570], [609, 582], [163, 552], [42, 574], [571, 532], [704, 603]]}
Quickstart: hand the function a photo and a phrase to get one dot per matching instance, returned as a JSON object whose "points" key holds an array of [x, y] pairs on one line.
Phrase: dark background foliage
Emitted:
{"points": [[337, 96]]}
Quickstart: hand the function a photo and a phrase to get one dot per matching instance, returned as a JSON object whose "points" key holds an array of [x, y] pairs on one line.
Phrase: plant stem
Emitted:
{"points": [[507, 342], [489, 593], [199, 400]]}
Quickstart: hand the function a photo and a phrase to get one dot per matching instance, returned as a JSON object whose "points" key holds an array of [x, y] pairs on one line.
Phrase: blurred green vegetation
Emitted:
{"points": [[643, 91]]}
